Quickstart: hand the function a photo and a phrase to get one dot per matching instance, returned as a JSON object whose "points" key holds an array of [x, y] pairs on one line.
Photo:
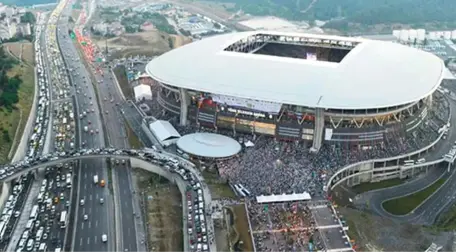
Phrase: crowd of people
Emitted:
{"points": [[286, 226], [277, 167]]}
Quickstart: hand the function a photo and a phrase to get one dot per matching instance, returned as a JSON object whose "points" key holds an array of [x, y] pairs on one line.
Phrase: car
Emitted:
{"points": [[101, 201], [86, 217], [104, 238], [82, 202]]}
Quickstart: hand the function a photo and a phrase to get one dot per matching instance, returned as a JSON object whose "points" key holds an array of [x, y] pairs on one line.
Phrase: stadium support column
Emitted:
{"points": [[318, 131], [429, 102], [184, 102]]}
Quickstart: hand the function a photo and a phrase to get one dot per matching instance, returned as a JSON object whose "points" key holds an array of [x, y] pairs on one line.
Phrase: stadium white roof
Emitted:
{"points": [[209, 145], [375, 74]]}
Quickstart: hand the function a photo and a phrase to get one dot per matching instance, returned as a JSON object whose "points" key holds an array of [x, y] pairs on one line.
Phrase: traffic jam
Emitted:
{"points": [[38, 205], [196, 219]]}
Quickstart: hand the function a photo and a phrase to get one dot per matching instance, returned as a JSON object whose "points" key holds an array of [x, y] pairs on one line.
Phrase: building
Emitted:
{"points": [[8, 29], [299, 87], [142, 92], [24, 29]]}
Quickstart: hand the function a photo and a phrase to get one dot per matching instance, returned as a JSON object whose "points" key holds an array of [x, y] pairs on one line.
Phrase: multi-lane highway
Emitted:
{"points": [[117, 137], [98, 201]]}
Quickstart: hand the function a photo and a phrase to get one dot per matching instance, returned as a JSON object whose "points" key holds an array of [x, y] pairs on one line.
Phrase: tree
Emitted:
{"points": [[6, 136], [28, 17]]}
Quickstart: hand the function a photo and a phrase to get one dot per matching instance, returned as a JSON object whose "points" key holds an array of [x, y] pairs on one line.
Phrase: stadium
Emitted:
{"points": [[314, 89]]}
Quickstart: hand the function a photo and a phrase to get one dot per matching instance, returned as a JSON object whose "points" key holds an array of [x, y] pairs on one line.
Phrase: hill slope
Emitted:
{"points": [[356, 11]]}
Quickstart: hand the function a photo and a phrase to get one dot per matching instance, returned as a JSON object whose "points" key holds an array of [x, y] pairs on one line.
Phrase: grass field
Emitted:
{"points": [[133, 140], [241, 225], [405, 205], [218, 189], [16, 119], [163, 213], [447, 221], [364, 187], [121, 76]]}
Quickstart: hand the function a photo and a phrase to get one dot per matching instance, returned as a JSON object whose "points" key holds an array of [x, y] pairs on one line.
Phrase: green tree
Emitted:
{"points": [[6, 136], [28, 17]]}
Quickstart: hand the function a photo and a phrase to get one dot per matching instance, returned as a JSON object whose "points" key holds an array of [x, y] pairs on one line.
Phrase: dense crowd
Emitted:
{"points": [[277, 167], [284, 227]]}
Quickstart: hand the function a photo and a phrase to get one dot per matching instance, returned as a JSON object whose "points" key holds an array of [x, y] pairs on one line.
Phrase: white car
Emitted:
{"points": [[101, 200], [104, 238], [82, 202], [86, 217]]}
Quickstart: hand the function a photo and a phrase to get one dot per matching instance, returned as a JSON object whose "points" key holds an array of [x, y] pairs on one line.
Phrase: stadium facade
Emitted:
{"points": [[299, 87]]}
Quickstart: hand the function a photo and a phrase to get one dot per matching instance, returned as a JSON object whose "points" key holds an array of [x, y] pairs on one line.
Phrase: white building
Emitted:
{"points": [[143, 92], [24, 29], [7, 29]]}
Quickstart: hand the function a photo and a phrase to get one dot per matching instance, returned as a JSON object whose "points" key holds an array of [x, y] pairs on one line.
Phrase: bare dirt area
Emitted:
{"points": [[22, 51], [28, 54], [239, 231], [163, 203], [150, 43], [221, 235], [179, 41], [374, 233]]}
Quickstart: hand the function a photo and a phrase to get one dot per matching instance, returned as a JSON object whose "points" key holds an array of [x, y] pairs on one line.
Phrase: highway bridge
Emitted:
{"points": [[160, 163]]}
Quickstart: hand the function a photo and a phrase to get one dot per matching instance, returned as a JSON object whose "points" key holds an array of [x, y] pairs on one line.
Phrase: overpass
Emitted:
{"points": [[157, 162]]}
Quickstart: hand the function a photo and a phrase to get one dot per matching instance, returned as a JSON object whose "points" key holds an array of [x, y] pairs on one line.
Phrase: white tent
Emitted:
{"points": [[249, 144], [142, 91], [284, 197], [164, 132]]}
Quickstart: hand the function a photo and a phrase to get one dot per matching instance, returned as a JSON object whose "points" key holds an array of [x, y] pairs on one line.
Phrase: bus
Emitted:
{"points": [[244, 190], [63, 219], [239, 191], [34, 213]]}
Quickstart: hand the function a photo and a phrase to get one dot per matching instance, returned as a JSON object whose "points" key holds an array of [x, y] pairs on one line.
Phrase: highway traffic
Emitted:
{"points": [[95, 233]]}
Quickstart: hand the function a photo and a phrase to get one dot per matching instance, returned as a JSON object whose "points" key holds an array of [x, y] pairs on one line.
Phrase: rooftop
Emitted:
{"points": [[375, 74], [209, 145]]}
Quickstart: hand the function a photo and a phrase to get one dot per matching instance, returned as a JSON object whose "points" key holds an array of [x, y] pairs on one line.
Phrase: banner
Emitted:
{"points": [[264, 106]]}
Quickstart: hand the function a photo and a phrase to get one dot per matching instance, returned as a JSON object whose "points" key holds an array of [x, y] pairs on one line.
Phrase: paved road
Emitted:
{"points": [[427, 213], [87, 236], [117, 137]]}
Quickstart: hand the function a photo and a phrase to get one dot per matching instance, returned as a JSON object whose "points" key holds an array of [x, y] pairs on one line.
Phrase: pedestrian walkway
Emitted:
{"points": [[20, 228]]}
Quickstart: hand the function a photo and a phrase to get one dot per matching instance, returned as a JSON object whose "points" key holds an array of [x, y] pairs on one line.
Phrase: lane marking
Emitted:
{"points": [[90, 224], [95, 240], [82, 225], [88, 240], [80, 242], [96, 223]]}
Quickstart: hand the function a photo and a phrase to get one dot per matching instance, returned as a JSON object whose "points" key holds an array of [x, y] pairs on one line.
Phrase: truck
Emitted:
{"points": [[86, 128], [95, 179]]}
